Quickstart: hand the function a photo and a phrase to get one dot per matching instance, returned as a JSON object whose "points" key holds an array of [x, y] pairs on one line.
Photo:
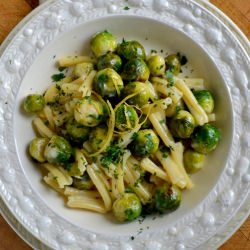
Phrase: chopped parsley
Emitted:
{"points": [[170, 78], [113, 155], [126, 8], [57, 77]]}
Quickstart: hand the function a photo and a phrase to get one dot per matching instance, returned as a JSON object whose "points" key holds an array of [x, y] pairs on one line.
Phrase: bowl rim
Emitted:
{"points": [[51, 4]]}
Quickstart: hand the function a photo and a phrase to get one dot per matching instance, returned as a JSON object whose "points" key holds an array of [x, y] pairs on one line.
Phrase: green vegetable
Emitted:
{"points": [[135, 70], [97, 136], [205, 138], [193, 161], [173, 63], [83, 182], [144, 143], [108, 83], [89, 111], [125, 117], [58, 150], [131, 49], [137, 87], [76, 132], [33, 103], [113, 155], [127, 208], [182, 124], [110, 60], [57, 77], [167, 198], [102, 43], [205, 99], [156, 65], [37, 147]]}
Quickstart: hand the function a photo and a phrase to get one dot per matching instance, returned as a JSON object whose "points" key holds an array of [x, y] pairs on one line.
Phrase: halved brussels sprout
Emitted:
{"points": [[205, 138], [125, 117], [83, 183], [205, 99], [127, 208], [97, 137], [167, 198], [76, 132], [193, 161], [144, 143], [137, 87], [110, 60], [173, 64], [108, 83], [58, 150], [131, 49], [135, 70], [37, 147], [102, 43], [182, 124], [89, 111], [33, 103], [156, 65]]}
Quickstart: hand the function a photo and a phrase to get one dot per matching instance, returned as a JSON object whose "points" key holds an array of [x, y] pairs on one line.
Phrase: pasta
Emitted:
{"points": [[122, 133]]}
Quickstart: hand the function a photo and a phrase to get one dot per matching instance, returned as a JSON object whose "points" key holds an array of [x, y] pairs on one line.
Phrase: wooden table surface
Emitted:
{"points": [[12, 11]]}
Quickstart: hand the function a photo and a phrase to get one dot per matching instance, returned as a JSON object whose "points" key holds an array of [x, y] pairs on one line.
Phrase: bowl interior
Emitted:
{"points": [[153, 35]]}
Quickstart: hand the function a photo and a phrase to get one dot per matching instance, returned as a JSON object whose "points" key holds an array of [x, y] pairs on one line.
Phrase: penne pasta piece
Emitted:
{"points": [[42, 129], [79, 201], [86, 86], [194, 83], [177, 155], [175, 175], [49, 116], [157, 105], [152, 168], [191, 102], [74, 191], [73, 60], [60, 175], [211, 117], [100, 187], [51, 181]]}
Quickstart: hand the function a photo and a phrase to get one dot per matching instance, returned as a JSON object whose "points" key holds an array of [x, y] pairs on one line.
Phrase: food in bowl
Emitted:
{"points": [[122, 130]]}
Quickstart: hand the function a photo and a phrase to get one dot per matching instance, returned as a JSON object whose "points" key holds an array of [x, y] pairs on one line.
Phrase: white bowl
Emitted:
{"points": [[64, 28]]}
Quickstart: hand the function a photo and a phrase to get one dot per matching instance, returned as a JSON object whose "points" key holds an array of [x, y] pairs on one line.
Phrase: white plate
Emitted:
{"points": [[56, 29]]}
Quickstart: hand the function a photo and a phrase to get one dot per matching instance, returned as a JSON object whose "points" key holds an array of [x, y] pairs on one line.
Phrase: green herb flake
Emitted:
{"points": [[57, 77], [170, 78], [126, 8]]}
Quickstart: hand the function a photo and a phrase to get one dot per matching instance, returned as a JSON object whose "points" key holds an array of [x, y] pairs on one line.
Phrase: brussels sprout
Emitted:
{"points": [[37, 147], [109, 60], [83, 69], [103, 43], [173, 64], [58, 150], [205, 99], [125, 117], [137, 87], [167, 198], [193, 161], [182, 124], [76, 132], [89, 111], [135, 70], [205, 138], [33, 103], [144, 143], [108, 83], [127, 208], [131, 49], [156, 65], [97, 136], [83, 182]]}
